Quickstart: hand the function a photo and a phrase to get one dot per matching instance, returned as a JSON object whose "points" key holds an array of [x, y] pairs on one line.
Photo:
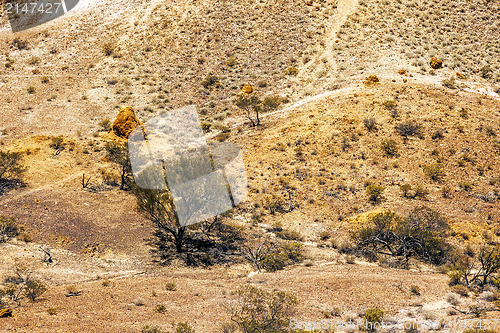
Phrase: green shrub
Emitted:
{"points": [[373, 315], [390, 147], [286, 254], [434, 171], [374, 192]]}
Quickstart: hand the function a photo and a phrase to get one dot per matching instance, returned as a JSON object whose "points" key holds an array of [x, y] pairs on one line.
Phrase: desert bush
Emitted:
{"points": [[476, 269], [31, 90], [390, 147], [205, 127], [183, 328], [374, 192], [292, 71], [152, 329], [434, 171], [20, 44], [249, 103], [170, 286], [105, 125], [460, 290], [372, 316], [370, 123], [34, 289], [117, 153], [409, 128], [453, 299], [420, 234], [406, 188], [256, 310], [209, 81], [271, 103], [420, 192], [450, 83], [289, 235], [372, 79], [389, 104], [415, 290], [284, 255], [109, 48], [8, 228], [160, 308], [56, 142]]}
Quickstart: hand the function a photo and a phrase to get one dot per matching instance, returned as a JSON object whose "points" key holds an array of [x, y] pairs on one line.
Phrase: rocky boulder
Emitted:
{"points": [[125, 122], [436, 63], [5, 313]]}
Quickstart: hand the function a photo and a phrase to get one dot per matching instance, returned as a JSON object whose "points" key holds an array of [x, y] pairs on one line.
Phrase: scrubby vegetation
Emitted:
{"points": [[421, 234], [255, 310]]}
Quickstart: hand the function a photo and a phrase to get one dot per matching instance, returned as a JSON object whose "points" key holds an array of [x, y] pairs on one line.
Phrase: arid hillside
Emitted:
{"points": [[355, 123]]}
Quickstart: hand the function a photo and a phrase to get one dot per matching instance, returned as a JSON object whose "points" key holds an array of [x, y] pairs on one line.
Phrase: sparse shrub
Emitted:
{"points": [[109, 48], [434, 171], [446, 192], [51, 311], [209, 80], [34, 289], [465, 185], [25, 237], [284, 255], [409, 128], [170, 286], [390, 147], [450, 83], [105, 282], [160, 308], [8, 228], [438, 134], [105, 125], [372, 316], [406, 188], [289, 235], [20, 44], [415, 290], [271, 103], [370, 123], [390, 104], [375, 192], [460, 290], [350, 259], [453, 298], [292, 71], [56, 142], [205, 127], [231, 62], [257, 310], [31, 90], [420, 234], [183, 328], [420, 192], [152, 329]]}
